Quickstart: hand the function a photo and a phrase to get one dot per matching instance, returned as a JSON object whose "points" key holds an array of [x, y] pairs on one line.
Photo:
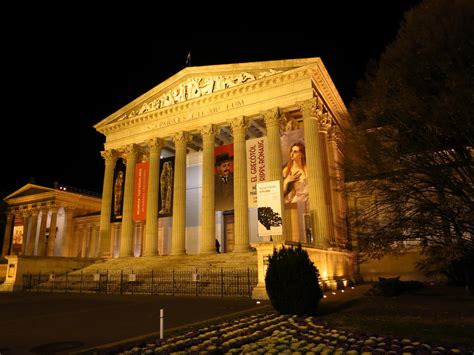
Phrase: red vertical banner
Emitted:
{"points": [[141, 188]]}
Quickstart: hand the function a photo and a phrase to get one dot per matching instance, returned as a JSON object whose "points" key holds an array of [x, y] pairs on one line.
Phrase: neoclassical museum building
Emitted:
{"points": [[227, 158]]}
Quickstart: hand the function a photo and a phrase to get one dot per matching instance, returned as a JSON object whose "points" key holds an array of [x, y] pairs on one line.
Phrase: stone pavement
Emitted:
{"points": [[56, 323]]}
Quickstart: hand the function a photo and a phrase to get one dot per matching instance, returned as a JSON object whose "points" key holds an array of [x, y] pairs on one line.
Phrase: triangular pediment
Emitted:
{"points": [[28, 190], [196, 82]]}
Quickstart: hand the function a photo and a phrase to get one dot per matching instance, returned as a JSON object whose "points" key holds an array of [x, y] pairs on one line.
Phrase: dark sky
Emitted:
{"points": [[62, 76]]}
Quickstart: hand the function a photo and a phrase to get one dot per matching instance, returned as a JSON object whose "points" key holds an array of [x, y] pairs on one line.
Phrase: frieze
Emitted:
{"points": [[186, 106], [195, 88]]}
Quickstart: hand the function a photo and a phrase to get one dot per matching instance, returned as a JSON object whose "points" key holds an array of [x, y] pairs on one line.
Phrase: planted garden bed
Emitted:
{"points": [[272, 333]]}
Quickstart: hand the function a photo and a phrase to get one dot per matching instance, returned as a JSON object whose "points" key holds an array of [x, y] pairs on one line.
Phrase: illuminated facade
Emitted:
{"points": [[212, 133], [188, 117]]}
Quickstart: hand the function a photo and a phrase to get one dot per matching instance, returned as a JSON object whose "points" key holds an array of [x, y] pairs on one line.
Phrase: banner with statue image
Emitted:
{"points": [[118, 191], [166, 187]]}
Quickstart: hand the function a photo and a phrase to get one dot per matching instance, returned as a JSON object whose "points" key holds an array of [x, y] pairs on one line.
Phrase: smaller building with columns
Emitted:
{"points": [[43, 221]]}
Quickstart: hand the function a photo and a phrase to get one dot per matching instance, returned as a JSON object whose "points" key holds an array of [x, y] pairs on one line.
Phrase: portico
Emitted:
{"points": [[185, 119]]}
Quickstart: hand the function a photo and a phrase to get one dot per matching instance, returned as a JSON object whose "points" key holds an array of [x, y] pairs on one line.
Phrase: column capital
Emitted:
{"points": [[271, 117], [34, 212], [311, 108], [209, 131], [181, 137], [132, 149], [155, 144], [238, 123], [110, 155], [325, 121], [10, 216]]}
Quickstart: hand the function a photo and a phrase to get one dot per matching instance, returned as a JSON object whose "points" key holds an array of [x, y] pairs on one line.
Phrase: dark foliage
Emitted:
{"points": [[390, 287], [411, 147], [292, 282]]}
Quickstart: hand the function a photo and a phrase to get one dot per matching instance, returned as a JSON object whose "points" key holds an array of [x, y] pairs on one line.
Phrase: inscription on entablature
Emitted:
{"points": [[170, 121]]}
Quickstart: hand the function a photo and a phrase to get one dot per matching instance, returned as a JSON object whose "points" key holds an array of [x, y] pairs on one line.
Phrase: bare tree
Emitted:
{"points": [[411, 145]]}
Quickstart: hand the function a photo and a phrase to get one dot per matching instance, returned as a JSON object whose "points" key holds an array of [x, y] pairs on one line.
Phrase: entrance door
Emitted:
{"points": [[229, 239]]}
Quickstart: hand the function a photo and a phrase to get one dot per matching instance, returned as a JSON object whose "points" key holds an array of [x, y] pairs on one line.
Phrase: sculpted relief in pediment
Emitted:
{"points": [[196, 87]]}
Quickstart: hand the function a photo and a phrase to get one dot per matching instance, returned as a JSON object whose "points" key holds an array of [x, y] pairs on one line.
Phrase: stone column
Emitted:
{"points": [[272, 121], [317, 201], [78, 236], [126, 237], [94, 240], [325, 123], [40, 251], [26, 220], [86, 234], [30, 248], [208, 215], [68, 237], [339, 204], [241, 214], [151, 227], [110, 156], [52, 232], [178, 233], [7, 237]]}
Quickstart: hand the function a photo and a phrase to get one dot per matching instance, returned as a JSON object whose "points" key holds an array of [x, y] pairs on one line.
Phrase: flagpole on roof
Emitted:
{"points": [[188, 59]]}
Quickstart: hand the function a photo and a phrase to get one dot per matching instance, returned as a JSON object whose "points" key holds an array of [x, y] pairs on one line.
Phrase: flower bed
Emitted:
{"points": [[271, 333]]}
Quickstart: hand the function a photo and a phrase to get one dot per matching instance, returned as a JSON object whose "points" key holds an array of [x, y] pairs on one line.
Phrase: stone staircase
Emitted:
{"points": [[241, 261], [229, 274]]}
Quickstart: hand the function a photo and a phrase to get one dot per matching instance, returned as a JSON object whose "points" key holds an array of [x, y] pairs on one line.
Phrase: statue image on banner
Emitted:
{"points": [[118, 191], [295, 180], [294, 172], [165, 202], [118, 194], [17, 242]]}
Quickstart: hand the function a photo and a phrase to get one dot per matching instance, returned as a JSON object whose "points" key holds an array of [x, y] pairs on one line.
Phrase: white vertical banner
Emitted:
{"points": [[269, 208], [257, 158]]}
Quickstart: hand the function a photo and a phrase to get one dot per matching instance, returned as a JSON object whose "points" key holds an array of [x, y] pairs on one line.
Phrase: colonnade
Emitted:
{"points": [[324, 198], [39, 237]]}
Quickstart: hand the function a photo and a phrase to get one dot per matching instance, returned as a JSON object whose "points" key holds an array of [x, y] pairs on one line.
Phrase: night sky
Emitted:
{"points": [[60, 78]]}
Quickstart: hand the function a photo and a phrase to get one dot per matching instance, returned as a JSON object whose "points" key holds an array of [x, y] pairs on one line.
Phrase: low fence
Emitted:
{"points": [[223, 282]]}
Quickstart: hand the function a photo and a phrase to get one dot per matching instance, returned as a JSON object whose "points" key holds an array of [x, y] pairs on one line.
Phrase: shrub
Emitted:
{"points": [[292, 282], [390, 287]]}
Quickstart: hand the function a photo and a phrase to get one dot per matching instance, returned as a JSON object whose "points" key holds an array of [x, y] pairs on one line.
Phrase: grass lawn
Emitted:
{"points": [[434, 314]]}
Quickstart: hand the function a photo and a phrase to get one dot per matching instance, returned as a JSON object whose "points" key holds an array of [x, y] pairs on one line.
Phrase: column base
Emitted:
{"points": [[105, 255], [208, 251], [260, 292], [126, 255], [243, 248], [150, 254], [178, 252]]}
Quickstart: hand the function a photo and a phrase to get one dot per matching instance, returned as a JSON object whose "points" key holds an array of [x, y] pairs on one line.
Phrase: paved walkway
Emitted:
{"points": [[64, 323]]}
